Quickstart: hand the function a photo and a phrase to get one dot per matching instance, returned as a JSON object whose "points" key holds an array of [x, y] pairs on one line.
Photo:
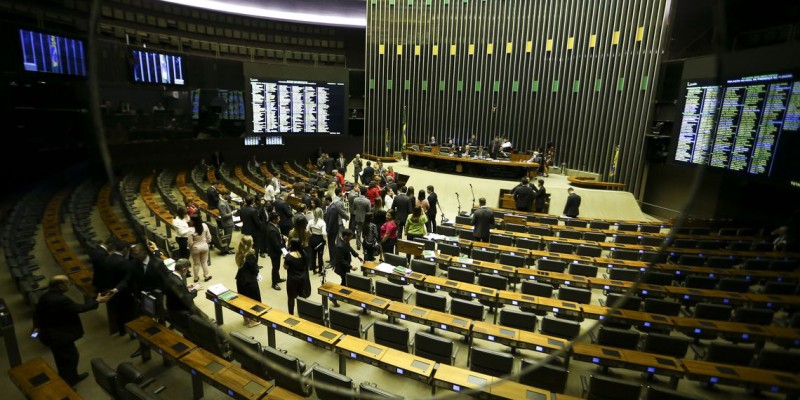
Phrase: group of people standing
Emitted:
{"points": [[526, 195]]}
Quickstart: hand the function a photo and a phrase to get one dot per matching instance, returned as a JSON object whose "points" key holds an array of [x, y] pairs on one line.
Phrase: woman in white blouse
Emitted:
{"points": [[317, 228]]}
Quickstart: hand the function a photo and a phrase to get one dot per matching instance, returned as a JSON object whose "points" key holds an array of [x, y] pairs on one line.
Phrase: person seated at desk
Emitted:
{"points": [[433, 142], [480, 153], [535, 158], [473, 141], [159, 107], [506, 148]]}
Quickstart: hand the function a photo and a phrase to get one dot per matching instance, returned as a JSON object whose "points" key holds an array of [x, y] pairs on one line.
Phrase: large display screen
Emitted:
{"points": [[43, 52], [748, 125], [297, 107], [228, 103], [159, 68]]}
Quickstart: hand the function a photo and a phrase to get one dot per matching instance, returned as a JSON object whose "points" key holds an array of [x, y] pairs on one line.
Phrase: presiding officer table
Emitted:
{"points": [[488, 168]]}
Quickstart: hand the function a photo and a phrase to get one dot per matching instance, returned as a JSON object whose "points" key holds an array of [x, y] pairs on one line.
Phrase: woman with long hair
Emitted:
{"points": [[317, 229], [415, 224], [389, 233], [296, 271], [422, 201], [370, 237], [300, 231], [198, 243], [247, 275]]}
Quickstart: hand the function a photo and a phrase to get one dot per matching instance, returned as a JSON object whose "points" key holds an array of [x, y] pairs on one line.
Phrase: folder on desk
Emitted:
{"points": [[218, 289]]}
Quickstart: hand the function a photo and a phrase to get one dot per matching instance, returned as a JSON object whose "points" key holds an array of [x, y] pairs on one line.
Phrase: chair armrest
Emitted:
{"points": [[455, 353], [699, 352], [309, 370], [365, 329], [159, 389], [584, 385], [147, 383], [602, 302], [405, 298], [593, 336]]}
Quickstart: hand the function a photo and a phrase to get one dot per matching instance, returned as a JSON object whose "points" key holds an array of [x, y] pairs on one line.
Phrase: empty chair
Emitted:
{"points": [[105, 376], [661, 393], [545, 264], [449, 249], [535, 289], [518, 319], [512, 260], [495, 282], [739, 285], [762, 246], [204, 334], [709, 244], [484, 255], [685, 243], [558, 327], [700, 231], [540, 230], [627, 239], [597, 387], [432, 301], [461, 275], [427, 243], [543, 375], [490, 362], [547, 220], [557, 247], [622, 254], [588, 251], [650, 228], [576, 223], [618, 300], [371, 389], [691, 260], [423, 267], [657, 278], [664, 344], [330, 380], [348, 322], [529, 244], [465, 234], [622, 338], [312, 311], [757, 265], [724, 353], [595, 236], [739, 245], [755, 316], [700, 282], [446, 230], [583, 270], [746, 232], [501, 239], [778, 360], [358, 282], [247, 351], [582, 296], [433, 347], [783, 265], [390, 335], [599, 225], [655, 257], [652, 241], [391, 291], [717, 312], [463, 219], [395, 259], [569, 234], [663, 307], [624, 274], [773, 287], [516, 228], [466, 309], [623, 227]]}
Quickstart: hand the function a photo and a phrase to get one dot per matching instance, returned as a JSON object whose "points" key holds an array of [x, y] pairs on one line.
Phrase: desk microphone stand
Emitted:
{"points": [[459, 204]]}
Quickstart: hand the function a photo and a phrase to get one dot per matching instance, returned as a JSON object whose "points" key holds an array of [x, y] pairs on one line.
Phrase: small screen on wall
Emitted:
{"points": [[42, 52]]}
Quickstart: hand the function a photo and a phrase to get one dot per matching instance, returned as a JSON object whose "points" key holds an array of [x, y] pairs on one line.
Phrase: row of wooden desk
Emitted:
{"points": [[398, 362], [188, 193], [77, 271], [649, 363], [38, 381], [157, 210], [120, 230], [687, 325]]}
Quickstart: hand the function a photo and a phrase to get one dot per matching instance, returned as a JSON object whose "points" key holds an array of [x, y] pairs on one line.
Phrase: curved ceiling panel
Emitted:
{"points": [[324, 12]]}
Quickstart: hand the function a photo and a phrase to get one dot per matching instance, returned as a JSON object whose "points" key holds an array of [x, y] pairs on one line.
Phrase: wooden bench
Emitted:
{"points": [[589, 182]]}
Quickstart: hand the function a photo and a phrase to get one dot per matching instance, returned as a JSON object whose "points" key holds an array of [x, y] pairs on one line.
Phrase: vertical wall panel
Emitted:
{"points": [[585, 96]]}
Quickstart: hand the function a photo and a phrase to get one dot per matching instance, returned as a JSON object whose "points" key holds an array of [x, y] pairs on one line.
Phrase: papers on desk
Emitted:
{"points": [[464, 260], [218, 289], [428, 254], [391, 269], [433, 236]]}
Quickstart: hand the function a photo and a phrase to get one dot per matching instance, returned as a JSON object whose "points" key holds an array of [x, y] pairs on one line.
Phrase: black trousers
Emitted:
{"points": [[317, 245], [183, 247], [276, 268], [66, 357], [431, 224]]}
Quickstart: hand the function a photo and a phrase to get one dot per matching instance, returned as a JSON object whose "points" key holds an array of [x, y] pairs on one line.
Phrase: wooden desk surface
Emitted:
{"points": [[403, 363], [424, 154], [163, 339], [495, 333], [724, 373], [37, 380], [249, 306], [370, 268], [226, 376], [459, 380], [602, 313], [279, 393], [409, 312], [355, 348], [356, 297]]}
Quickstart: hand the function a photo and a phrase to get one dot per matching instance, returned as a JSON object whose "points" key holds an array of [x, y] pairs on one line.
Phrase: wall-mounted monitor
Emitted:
{"points": [[157, 68], [746, 125], [43, 52], [229, 104], [297, 106]]}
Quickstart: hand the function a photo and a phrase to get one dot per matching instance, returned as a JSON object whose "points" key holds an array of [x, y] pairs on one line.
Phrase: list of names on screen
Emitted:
{"points": [[290, 106]]}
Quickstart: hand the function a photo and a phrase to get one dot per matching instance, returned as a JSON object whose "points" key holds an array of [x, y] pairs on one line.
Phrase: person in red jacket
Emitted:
{"points": [[373, 192]]}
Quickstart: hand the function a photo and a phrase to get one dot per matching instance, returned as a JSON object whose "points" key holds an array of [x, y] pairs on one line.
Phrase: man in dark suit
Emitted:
{"points": [[341, 162], [402, 205], [212, 197], [109, 271], [275, 243], [328, 165], [572, 207], [333, 219], [368, 174], [343, 257], [523, 195], [284, 211], [482, 221], [180, 298], [433, 201], [58, 322], [540, 197], [251, 223], [146, 272], [225, 222]]}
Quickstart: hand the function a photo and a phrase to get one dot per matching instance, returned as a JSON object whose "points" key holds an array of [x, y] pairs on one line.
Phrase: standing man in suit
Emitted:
{"points": [[225, 222], [58, 322], [275, 242], [341, 162], [327, 164], [482, 221], [540, 197], [368, 175], [360, 207], [284, 211], [357, 166], [107, 274], [212, 195], [433, 202], [333, 217], [523, 195], [402, 205], [251, 223], [343, 257], [180, 297], [573, 205]]}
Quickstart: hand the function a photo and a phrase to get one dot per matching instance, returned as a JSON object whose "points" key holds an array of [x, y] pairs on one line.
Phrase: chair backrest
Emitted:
{"points": [[105, 376], [311, 310], [582, 296], [558, 247], [691, 260], [516, 228], [461, 274], [599, 225], [576, 223], [204, 334], [700, 282], [662, 393], [393, 336], [484, 255], [756, 316], [395, 259], [622, 254], [660, 306], [359, 282], [427, 243], [605, 388], [595, 236], [783, 265], [371, 389], [423, 266], [449, 249], [570, 234], [490, 362], [710, 244], [501, 240], [650, 228], [754, 264], [773, 287], [717, 312], [493, 281], [543, 375], [467, 309], [432, 301], [588, 251], [464, 219], [655, 257], [345, 321], [666, 345], [657, 278], [518, 319], [551, 265], [627, 239], [540, 230], [623, 338], [247, 351], [325, 380], [583, 270], [465, 234], [616, 300], [778, 360], [652, 241], [685, 243], [624, 274], [530, 244], [287, 376], [562, 328], [389, 290], [446, 230], [725, 353], [512, 260], [623, 227], [536, 289], [434, 347]]}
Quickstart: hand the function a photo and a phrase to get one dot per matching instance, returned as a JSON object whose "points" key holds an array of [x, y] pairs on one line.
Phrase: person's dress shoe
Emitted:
{"points": [[196, 279], [80, 377], [208, 278], [188, 274], [276, 287], [136, 353], [280, 281]]}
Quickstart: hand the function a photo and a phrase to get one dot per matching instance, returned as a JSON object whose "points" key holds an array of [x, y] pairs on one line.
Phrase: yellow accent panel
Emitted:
{"points": [[639, 33], [549, 46], [615, 38], [570, 43], [592, 40], [471, 49]]}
